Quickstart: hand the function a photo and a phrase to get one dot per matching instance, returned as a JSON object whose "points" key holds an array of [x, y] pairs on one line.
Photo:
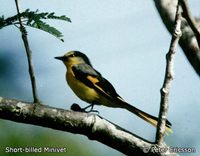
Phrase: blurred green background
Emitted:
{"points": [[126, 41]]}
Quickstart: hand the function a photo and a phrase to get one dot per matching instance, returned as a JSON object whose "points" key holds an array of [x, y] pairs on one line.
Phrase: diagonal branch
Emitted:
{"points": [[90, 125], [188, 42], [169, 74]]}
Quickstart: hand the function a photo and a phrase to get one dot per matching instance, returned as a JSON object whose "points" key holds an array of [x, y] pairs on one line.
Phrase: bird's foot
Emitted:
{"points": [[77, 108]]}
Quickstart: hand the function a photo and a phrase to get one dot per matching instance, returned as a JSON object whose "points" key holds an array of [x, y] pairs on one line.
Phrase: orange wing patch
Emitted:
{"points": [[94, 80]]}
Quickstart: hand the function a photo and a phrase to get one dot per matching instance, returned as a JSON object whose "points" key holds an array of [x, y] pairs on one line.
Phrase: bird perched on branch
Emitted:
{"points": [[90, 86]]}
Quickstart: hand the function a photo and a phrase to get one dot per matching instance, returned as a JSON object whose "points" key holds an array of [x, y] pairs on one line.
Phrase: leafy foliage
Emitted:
{"points": [[35, 19], [45, 27]]}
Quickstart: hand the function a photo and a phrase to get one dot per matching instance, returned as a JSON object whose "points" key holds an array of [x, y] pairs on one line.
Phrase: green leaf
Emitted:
{"points": [[9, 21], [47, 28], [34, 15], [63, 17], [34, 19]]}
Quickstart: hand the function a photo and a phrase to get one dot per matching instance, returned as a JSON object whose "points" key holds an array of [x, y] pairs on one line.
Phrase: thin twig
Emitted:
{"points": [[188, 42], [191, 21], [29, 56], [169, 75]]}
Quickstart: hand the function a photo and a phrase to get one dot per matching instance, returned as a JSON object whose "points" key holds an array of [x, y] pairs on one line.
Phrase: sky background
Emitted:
{"points": [[126, 41]]}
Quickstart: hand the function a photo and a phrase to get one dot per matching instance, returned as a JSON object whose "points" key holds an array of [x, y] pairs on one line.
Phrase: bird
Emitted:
{"points": [[90, 86]]}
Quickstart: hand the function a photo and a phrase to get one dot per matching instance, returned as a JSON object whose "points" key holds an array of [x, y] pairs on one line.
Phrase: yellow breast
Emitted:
{"points": [[80, 89]]}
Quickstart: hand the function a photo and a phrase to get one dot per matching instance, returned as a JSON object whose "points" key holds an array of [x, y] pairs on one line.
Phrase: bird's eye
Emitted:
{"points": [[72, 55]]}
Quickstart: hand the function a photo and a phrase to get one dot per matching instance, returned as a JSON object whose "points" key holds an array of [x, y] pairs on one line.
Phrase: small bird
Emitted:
{"points": [[90, 86]]}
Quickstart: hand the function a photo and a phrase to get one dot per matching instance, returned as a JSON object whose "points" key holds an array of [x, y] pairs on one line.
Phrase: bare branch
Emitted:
{"points": [[90, 125], [29, 56], [169, 74], [188, 42]]}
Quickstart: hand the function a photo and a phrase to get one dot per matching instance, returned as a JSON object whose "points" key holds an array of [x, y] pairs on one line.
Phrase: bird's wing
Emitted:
{"points": [[93, 79]]}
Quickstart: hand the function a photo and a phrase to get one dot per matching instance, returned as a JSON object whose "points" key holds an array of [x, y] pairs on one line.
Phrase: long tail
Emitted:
{"points": [[145, 116]]}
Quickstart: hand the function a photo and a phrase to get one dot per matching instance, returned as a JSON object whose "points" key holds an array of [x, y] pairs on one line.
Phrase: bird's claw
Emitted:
{"points": [[94, 111], [75, 107]]}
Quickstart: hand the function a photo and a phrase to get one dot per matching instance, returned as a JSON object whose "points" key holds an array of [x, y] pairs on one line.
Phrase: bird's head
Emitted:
{"points": [[74, 57]]}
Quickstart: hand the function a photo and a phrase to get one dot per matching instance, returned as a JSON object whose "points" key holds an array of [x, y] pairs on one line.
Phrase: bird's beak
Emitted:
{"points": [[62, 58]]}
